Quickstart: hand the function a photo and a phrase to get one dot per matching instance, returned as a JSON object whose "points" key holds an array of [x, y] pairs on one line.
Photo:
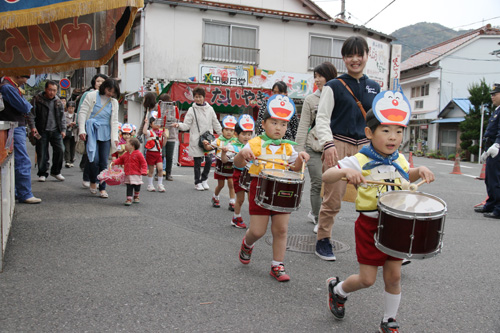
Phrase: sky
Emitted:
{"points": [[455, 14]]}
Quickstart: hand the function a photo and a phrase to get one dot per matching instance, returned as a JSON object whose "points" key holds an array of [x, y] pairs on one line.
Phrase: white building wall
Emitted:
{"points": [[468, 65]]}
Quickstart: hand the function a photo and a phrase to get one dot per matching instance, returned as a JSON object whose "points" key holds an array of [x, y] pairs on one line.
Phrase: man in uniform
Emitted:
{"points": [[492, 143]]}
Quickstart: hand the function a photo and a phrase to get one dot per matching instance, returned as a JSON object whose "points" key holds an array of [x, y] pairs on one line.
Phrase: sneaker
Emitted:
{"points": [[335, 301], [391, 326], [137, 200], [85, 184], [315, 230], [32, 200], [238, 223], [43, 178], [151, 188], [128, 202], [278, 272], [231, 206], [324, 250], [205, 185], [199, 187], [67, 165], [215, 202], [59, 177], [71, 165], [161, 188], [312, 218], [245, 253], [169, 178]]}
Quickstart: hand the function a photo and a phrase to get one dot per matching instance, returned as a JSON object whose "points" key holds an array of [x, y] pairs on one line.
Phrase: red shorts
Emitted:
{"points": [[236, 181], [219, 177], [255, 209], [368, 254], [153, 157]]}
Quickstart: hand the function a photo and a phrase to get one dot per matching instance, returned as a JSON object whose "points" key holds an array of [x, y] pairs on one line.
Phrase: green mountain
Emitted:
{"points": [[422, 35]]}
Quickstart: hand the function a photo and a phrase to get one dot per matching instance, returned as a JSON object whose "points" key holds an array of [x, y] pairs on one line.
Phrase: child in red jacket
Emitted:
{"points": [[135, 168]]}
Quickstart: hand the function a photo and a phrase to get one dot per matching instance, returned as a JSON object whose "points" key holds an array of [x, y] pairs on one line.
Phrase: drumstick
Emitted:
{"points": [[414, 187], [271, 161], [303, 169], [376, 182]]}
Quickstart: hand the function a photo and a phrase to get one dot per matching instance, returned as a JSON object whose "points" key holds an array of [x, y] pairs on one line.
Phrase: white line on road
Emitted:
{"points": [[448, 164]]}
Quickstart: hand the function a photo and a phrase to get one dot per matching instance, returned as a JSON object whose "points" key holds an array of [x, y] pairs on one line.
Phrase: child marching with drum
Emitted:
{"points": [[135, 168], [270, 147], [156, 138], [378, 161], [224, 170], [244, 130]]}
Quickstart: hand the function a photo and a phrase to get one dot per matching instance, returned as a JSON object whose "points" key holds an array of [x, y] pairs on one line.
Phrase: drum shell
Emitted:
{"points": [[245, 179], [415, 235], [223, 169], [280, 194]]}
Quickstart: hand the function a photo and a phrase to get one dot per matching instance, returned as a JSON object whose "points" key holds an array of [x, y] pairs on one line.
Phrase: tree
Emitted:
{"points": [[471, 126]]}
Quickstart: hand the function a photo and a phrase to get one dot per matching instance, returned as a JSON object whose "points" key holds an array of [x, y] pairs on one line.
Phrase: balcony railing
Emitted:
{"points": [[315, 60], [231, 54]]}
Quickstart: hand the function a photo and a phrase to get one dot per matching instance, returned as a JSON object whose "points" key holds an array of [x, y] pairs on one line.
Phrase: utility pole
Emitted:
{"points": [[481, 133], [342, 10]]}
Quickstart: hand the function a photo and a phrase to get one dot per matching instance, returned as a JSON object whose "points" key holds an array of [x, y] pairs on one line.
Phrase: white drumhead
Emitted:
{"points": [[281, 173], [412, 202]]}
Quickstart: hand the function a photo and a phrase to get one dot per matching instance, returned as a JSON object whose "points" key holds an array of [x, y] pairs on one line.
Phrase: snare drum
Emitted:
{"points": [[223, 169], [411, 224], [279, 190], [245, 179]]}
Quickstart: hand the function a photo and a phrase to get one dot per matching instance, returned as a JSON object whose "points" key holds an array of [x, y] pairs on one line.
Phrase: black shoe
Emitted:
{"points": [[491, 215], [480, 209], [335, 302]]}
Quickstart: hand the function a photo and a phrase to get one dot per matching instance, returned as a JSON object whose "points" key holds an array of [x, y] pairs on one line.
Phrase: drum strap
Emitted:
{"points": [[385, 175]]}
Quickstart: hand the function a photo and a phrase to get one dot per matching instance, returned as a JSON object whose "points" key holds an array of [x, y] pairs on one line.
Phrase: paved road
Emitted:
{"points": [[80, 263]]}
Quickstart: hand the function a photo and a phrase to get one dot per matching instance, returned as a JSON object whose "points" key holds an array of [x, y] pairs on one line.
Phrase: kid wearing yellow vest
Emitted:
{"points": [[271, 147], [380, 160]]}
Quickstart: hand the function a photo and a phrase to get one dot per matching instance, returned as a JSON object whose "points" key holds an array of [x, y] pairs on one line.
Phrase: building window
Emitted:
{"points": [[230, 43], [326, 49], [420, 91], [419, 104], [133, 40]]}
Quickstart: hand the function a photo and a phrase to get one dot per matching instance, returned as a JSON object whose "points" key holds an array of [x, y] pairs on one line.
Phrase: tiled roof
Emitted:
{"points": [[434, 52], [319, 16]]}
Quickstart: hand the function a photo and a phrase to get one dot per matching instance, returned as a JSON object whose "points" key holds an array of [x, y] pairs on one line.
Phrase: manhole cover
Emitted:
{"points": [[307, 244]]}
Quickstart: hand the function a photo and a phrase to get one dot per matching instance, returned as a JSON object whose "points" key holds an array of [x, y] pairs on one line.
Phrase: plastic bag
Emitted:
{"points": [[114, 175]]}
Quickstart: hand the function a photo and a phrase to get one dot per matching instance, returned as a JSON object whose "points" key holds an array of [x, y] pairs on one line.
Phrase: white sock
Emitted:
{"points": [[216, 197], [391, 305], [232, 200], [236, 215], [340, 291], [160, 180], [150, 180], [245, 241], [276, 263]]}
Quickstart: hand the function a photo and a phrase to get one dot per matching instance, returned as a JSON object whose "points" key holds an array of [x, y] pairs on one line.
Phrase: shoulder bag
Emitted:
{"points": [[205, 136]]}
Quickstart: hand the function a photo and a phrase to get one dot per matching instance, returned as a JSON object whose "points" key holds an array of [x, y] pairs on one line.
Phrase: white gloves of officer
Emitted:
{"points": [[483, 158], [493, 150]]}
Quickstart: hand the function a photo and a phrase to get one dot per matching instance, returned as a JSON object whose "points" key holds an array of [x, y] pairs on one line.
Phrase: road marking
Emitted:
{"points": [[462, 166]]}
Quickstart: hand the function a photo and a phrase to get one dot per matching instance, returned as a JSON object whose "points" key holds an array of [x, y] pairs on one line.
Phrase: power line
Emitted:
{"points": [[380, 11]]}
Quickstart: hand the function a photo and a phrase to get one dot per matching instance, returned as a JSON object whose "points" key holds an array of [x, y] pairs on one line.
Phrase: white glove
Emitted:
{"points": [[484, 155], [493, 150]]}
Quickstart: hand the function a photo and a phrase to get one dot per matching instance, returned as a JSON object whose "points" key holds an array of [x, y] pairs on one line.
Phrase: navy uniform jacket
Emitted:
{"points": [[492, 134]]}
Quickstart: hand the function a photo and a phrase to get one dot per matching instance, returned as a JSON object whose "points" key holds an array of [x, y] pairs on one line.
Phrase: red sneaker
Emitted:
{"points": [[278, 272], [245, 253], [231, 206], [238, 223], [215, 203]]}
